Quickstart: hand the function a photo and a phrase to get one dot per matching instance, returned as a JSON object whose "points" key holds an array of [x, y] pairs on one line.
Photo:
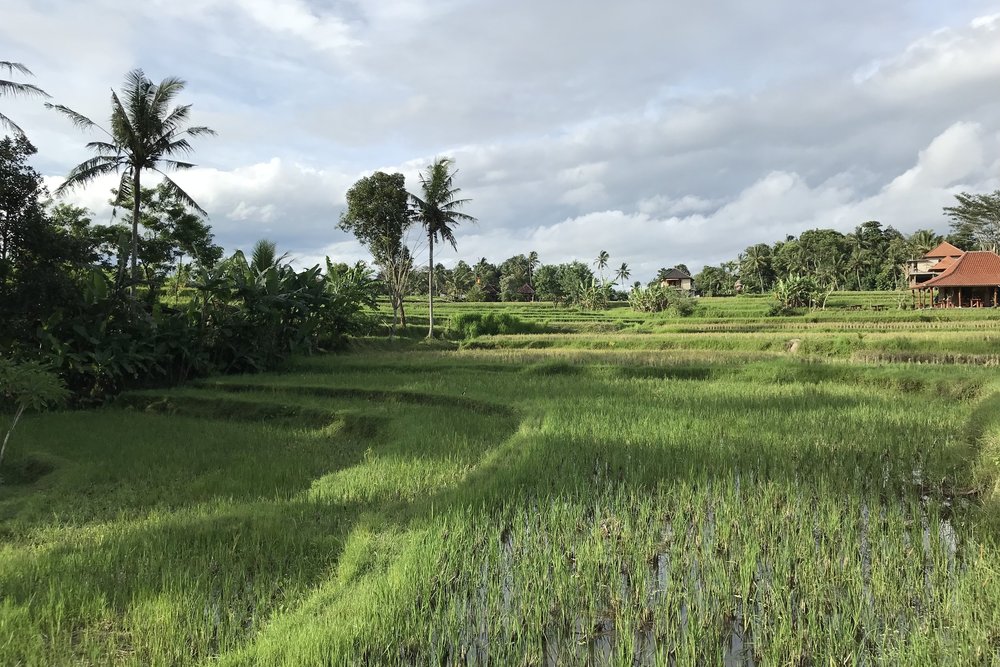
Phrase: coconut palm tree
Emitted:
{"points": [[922, 241], [532, 264], [13, 88], [265, 256], [602, 262], [757, 260], [146, 134], [622, 274], [438, 211]]}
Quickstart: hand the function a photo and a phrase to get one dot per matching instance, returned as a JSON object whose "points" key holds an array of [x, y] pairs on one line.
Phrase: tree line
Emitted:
{"points": [[150, 298], [872, 257]]}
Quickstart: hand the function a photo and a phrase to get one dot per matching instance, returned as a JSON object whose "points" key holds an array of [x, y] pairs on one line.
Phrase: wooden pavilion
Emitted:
{"points": [[970, 281]]}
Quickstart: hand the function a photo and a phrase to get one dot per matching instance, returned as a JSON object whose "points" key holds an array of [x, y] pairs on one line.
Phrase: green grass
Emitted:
{"points": [[662, 493]]}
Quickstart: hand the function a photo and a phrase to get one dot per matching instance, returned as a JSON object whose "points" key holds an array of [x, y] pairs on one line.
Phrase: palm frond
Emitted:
{"points": [[176, 164], [200, 130], [15, 88], [15, 67], [10, 125], [87, 172], [163, 94], [166, 146], [124, 190], [183, 196], [175, 118], [445, 233], [122, 126], [78, 119], [104, 148]]}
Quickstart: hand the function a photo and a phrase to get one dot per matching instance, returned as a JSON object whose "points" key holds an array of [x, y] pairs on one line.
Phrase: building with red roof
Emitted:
{"points": [[932, 264], [971, 280]]}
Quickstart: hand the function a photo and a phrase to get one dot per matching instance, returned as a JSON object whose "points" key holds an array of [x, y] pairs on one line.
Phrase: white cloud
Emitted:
{"points": [[663, 133]]}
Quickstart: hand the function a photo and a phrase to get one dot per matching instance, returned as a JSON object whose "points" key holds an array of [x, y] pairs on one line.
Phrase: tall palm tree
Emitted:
{"points": [[145, 134], [756, 260], [532, 264], [623, 273], [13, 88], [602, 262], [438, 211]]}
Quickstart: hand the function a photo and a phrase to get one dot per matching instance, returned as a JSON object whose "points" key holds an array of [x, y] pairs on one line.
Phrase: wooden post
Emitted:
{"points": [[959, 297]]}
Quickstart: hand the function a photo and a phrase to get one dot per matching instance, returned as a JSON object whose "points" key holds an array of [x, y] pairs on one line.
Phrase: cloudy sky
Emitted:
{"points": [[662, 132]]}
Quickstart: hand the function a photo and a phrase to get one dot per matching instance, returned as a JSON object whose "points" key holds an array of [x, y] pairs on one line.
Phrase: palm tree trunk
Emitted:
{"points": [[135, 230], [430, 283]]}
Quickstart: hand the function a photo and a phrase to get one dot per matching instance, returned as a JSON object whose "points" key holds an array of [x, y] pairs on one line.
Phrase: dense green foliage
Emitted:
{"points": [[70, 303], [976, 220], [603, 500], [471, 325]]}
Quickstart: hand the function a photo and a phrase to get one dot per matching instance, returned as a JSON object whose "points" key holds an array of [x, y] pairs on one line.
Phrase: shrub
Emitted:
{"points": [[797, 292], [471, 325], [653, 299], [657, 298], [28, 386], [683, 305]]}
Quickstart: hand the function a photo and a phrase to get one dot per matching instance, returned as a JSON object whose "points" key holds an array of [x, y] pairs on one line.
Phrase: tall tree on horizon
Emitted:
{"points": [[438, 211], [533, 263], [146, 134], [15, 89], [378, 214], [977, 216], [622, 274], [602, 262]]}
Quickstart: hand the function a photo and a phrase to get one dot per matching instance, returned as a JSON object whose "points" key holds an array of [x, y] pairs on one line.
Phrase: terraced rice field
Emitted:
{"points": [[726, 489]]}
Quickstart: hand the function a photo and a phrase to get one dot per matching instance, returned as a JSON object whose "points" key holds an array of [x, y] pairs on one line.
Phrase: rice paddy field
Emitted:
{"points": [[614, 489]]}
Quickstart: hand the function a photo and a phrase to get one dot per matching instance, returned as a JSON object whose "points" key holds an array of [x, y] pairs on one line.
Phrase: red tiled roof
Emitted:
{"points": [[943, 264], [945, 249], [973, 269]]}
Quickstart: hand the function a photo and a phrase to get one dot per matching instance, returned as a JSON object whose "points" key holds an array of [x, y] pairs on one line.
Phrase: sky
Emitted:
{"points": [[661, 132]]}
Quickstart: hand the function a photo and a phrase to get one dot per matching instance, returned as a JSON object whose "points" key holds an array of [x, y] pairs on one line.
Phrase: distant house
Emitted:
{"points": [[527, 292], [931, 265], [972, 280], [678, 280]]}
